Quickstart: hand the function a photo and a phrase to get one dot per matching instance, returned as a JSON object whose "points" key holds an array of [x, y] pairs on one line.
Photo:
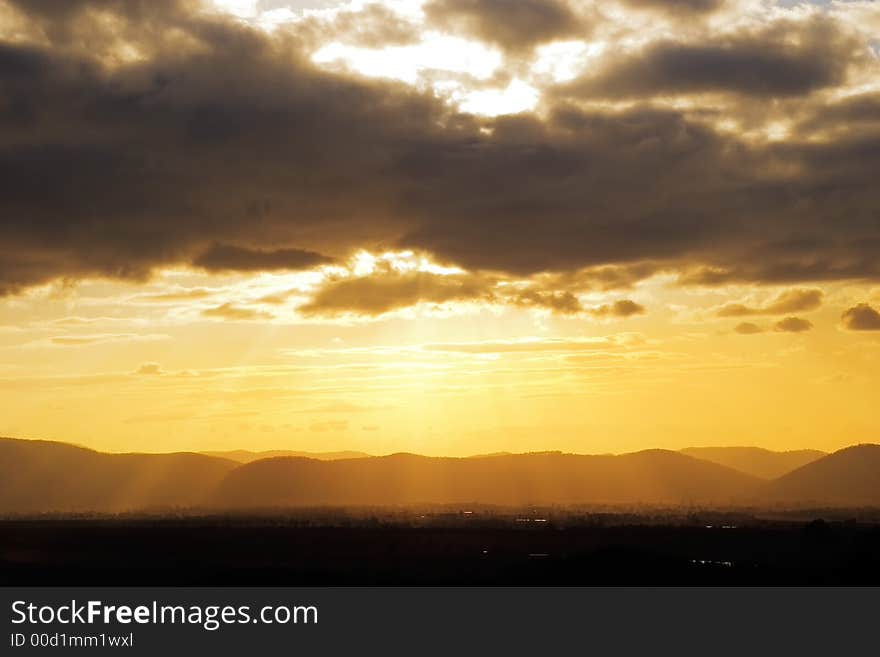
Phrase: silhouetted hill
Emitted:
{"points": [[40, 476], [756, 461], [849, 477], [246, 456], [653, 476]]}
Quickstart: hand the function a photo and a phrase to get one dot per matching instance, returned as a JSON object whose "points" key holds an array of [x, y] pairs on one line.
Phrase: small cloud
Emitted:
{"points": [[748, 328], [230, 311], [563, 303], [82, 340], [175, 295], [275, 299], [65, 341], [790, 301], [148, 369], [534, 345], [861, 317], [793, 325], [621, 308]]}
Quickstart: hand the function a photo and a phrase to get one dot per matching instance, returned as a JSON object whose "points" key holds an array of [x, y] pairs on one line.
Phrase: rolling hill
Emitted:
{"points": [[246, 456], [653, 476], [756, 461], [849, 477], [41, 476], [38, 476]]}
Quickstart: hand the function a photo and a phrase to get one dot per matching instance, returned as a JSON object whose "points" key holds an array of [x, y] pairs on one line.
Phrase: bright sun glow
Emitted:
{"points": [[516, 97], [408, 63], [297, 223]]}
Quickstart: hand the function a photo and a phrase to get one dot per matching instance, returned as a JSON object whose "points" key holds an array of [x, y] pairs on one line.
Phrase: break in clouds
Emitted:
{"points": [[143, 134]]}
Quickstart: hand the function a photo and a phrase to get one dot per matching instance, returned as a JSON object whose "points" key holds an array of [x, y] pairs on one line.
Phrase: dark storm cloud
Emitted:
{"points": [[515, 25], [591, 188], [860, 110], [861, 317], [225, 257], [782, 61], [113, 172], [221, 135]]}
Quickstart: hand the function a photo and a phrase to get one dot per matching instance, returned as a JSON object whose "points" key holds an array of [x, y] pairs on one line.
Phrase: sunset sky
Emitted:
{"points": [[448, 227]]}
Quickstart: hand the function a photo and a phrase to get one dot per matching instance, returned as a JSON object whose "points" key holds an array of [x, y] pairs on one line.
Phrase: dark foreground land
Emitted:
{"points": [[441, 548]]}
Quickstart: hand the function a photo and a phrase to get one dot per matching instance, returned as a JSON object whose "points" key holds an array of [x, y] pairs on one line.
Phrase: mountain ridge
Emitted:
{"points": [[849, 476], [248, 456], [520, 479], [756, 461], [38, 476]]}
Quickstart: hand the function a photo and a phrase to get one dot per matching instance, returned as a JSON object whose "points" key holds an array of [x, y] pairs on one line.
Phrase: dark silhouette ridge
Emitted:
{"points": [[652, 476], [246, 456], [38, 476], [44, 477], [756, 461], [850, 476]]}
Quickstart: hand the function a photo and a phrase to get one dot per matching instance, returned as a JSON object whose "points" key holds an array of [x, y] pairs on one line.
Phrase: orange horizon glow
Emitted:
{"points": [[429, 226]]}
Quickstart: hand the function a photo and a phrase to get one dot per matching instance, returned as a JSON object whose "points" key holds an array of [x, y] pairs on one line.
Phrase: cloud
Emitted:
{"points": [[387, 289], [175, 296], [232, 312], [83, 340], [372, 26], [225, 257], [149, 369], [620, 308], [529, 345], [561, 302], [793, 325], [140, 135], [378, 294], [515, 25], [788, 59], [861, 317], [680, 8], [71, 341], [748, 328], [790, 301], [856, 115]]}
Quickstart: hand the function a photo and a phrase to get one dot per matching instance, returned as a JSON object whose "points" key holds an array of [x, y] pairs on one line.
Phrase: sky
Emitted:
{"points": [[449, 227]]}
